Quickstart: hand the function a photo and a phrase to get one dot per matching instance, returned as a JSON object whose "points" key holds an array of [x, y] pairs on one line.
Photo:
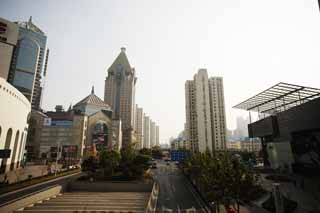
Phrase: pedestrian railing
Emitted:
{"points": [[152, 203]]}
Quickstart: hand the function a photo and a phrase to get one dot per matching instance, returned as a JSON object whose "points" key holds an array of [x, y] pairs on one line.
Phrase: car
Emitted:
{"points": [[168, 163], [177, 162], [154, 166]]}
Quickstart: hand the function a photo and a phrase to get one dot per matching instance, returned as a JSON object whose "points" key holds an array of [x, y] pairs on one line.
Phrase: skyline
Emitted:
{"points": [[233, 46]]}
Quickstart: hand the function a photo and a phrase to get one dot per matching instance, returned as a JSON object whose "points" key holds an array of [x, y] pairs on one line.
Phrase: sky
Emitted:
{"points": [[252, 44]]}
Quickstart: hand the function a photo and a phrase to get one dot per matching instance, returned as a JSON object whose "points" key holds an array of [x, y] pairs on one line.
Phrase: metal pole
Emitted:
{"points": [[55, 170], [251, 139]]}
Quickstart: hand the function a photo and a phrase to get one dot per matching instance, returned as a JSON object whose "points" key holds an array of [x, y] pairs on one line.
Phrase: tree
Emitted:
{"points": [[89, 164], [145, 151], [156, 152], [220, 177], [109, 160]]}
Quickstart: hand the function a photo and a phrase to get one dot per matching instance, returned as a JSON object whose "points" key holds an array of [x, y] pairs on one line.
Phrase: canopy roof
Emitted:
{"points": [[279, 97]]}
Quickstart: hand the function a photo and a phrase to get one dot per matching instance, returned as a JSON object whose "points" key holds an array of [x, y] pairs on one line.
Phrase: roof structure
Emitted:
{"points": [[279, 97], [92, 99], [121, 59]]}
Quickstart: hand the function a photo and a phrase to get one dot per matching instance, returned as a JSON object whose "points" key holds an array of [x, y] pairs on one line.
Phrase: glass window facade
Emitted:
{"points": [[27, 55], [24, 80]]}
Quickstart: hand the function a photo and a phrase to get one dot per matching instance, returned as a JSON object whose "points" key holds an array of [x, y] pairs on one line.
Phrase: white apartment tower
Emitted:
{"points": [[152, 133], [157, 136], [146, 131], [139, 127], [205, 112]]}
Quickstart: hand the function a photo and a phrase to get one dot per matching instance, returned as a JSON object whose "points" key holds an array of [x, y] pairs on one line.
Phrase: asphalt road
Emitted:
{"points": [[176, 193], [11, 196]]}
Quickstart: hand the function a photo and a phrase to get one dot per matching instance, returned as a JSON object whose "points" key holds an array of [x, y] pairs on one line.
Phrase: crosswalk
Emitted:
{"points": [[91, 202]]}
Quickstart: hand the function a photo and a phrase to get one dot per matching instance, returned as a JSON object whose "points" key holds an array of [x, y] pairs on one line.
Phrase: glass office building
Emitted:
{"points": [[29, 63]]}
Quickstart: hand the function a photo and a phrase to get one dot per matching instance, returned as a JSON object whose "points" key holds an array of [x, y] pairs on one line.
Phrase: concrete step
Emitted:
{"points": [[79, 204], [72, 211]]}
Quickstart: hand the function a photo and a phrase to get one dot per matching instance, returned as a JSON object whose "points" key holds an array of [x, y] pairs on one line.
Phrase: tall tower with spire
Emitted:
{"points": [[120, 94]]}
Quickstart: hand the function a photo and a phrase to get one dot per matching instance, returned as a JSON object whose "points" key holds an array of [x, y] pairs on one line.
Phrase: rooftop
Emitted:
{"points": [[279, 97]]}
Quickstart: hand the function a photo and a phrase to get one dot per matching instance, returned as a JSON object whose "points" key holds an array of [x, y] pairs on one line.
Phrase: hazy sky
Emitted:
{"points": [[252, 44]]}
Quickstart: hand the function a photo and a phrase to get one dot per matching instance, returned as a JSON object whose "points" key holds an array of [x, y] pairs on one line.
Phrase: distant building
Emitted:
{"points": [[248, 146], [120, 94], [146, 131], [205, 112], [242, 128], [8, 41], [14, 113], [29, 62], [139, 127], [157, 136], [180, 143], [152, 133]]}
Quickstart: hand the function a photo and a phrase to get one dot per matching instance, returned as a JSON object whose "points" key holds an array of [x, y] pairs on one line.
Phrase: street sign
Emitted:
{"points": [[5, 153]]}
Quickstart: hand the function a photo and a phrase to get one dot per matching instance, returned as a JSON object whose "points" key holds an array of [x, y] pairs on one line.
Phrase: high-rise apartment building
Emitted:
{"points": [[152, 133], [120, 94], [205, 113], [29, 62], [157, 136], [146, 132], [139, 119]]}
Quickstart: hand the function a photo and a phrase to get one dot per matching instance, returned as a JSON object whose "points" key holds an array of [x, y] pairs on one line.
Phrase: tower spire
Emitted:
{"points": [[92, 90]]}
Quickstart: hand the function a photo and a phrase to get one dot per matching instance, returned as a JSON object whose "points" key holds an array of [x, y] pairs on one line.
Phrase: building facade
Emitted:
{"points": [[29, 62], [139, 120], [152, 133], [64, 134], [205, 113], [157, 136], [120, 94], [146, 131], [8, 41], [14, 113]]}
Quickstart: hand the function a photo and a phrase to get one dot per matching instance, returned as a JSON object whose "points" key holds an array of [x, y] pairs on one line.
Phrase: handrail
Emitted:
{"points": [[27, 195], [152, 203]]}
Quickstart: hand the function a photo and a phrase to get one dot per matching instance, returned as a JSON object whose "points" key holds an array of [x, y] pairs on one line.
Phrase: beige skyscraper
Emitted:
{"points": [[139, 120], [120, 94], [205, 113], [146, 132], [157, 136], [152, 134]]}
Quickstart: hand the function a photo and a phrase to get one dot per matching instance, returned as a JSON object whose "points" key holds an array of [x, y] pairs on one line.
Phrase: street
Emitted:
{"points": [[176, 193], [11, 196]]}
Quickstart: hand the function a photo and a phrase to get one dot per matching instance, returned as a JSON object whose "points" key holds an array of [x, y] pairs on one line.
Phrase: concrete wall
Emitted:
{"points": [[280, 155], [109, 186], [31, 198]]}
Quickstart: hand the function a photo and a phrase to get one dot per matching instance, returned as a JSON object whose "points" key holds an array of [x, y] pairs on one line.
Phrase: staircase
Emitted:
{"points": [[91, 202]]}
